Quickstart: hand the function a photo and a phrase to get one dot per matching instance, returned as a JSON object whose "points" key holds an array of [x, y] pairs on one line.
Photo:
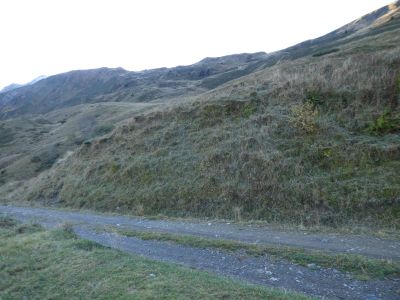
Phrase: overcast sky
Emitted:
{"points": [[45, 37]]}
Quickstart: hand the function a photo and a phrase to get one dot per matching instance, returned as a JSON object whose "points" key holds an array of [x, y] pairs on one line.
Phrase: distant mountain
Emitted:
{"points": [[116, 85], [11, 87], [36, 79], [14, 86]]}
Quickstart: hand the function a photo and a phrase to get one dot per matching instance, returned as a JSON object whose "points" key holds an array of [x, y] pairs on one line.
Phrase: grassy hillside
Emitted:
{"points": [[312, 140], [29, 146]]}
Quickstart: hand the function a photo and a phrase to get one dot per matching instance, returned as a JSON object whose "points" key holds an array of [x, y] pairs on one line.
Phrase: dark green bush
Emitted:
{"points": [[87, 245], [314, 98], [102, 129], [248, 110], [385, 123], [7, 222], [46, 158], [6, 135], [35, 159], [253, 95], [325, 52]]}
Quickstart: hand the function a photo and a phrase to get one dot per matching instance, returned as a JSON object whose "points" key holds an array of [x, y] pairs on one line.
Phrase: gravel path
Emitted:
{"points": [[358, 244], [263, 270]]}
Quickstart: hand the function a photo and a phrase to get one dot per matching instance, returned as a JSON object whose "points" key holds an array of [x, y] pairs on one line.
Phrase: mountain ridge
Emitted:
{"points": [[82, 86], [14, 86]]}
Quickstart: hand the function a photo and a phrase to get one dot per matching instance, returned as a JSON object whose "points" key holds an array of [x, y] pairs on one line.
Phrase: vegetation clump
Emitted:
{"points": [[305, 117], [102, 129], [385, 123], [6, 135], [326, 52]]}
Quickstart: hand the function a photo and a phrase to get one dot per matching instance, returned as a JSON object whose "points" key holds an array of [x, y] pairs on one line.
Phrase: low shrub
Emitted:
{"points": [[102, 130], [46, 159], [6, 135], [325, 52], [7, 222], [385, 123], [314, 98], [304, 117]]}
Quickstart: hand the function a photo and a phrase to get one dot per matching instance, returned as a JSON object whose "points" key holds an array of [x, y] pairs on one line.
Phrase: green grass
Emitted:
{"points": [[361, 267], [55, 264]]}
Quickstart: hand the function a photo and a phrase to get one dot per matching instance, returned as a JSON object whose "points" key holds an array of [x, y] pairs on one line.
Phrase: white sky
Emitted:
{"points": [[45, 37]]}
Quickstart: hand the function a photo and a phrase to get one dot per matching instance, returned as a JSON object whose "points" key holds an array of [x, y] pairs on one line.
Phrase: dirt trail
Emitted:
{"points": [[263, 270], [358, 244]]}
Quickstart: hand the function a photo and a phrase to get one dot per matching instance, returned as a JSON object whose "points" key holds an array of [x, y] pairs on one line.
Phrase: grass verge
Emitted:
{"points": [[56, 264], [359, 266]]}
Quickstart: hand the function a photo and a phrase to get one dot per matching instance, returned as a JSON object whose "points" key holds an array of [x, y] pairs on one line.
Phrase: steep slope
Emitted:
{"points": [[381, 20], [312, 140]]}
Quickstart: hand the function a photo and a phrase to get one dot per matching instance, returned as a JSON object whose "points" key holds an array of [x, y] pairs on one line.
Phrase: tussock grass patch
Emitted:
{"points": [[9, 227]]}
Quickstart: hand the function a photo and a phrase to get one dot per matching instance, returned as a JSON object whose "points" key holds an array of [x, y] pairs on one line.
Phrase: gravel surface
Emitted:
{"points": [[358, 244], [265, 270]]}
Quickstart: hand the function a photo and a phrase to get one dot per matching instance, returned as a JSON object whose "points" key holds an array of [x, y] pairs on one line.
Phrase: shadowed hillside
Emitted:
{"points": [[307, 135]]}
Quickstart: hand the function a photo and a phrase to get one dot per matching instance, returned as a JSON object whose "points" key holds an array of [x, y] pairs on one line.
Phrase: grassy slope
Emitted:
{"points": [[286, 144], [54, 264], [310, 141], [29, 145]]}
